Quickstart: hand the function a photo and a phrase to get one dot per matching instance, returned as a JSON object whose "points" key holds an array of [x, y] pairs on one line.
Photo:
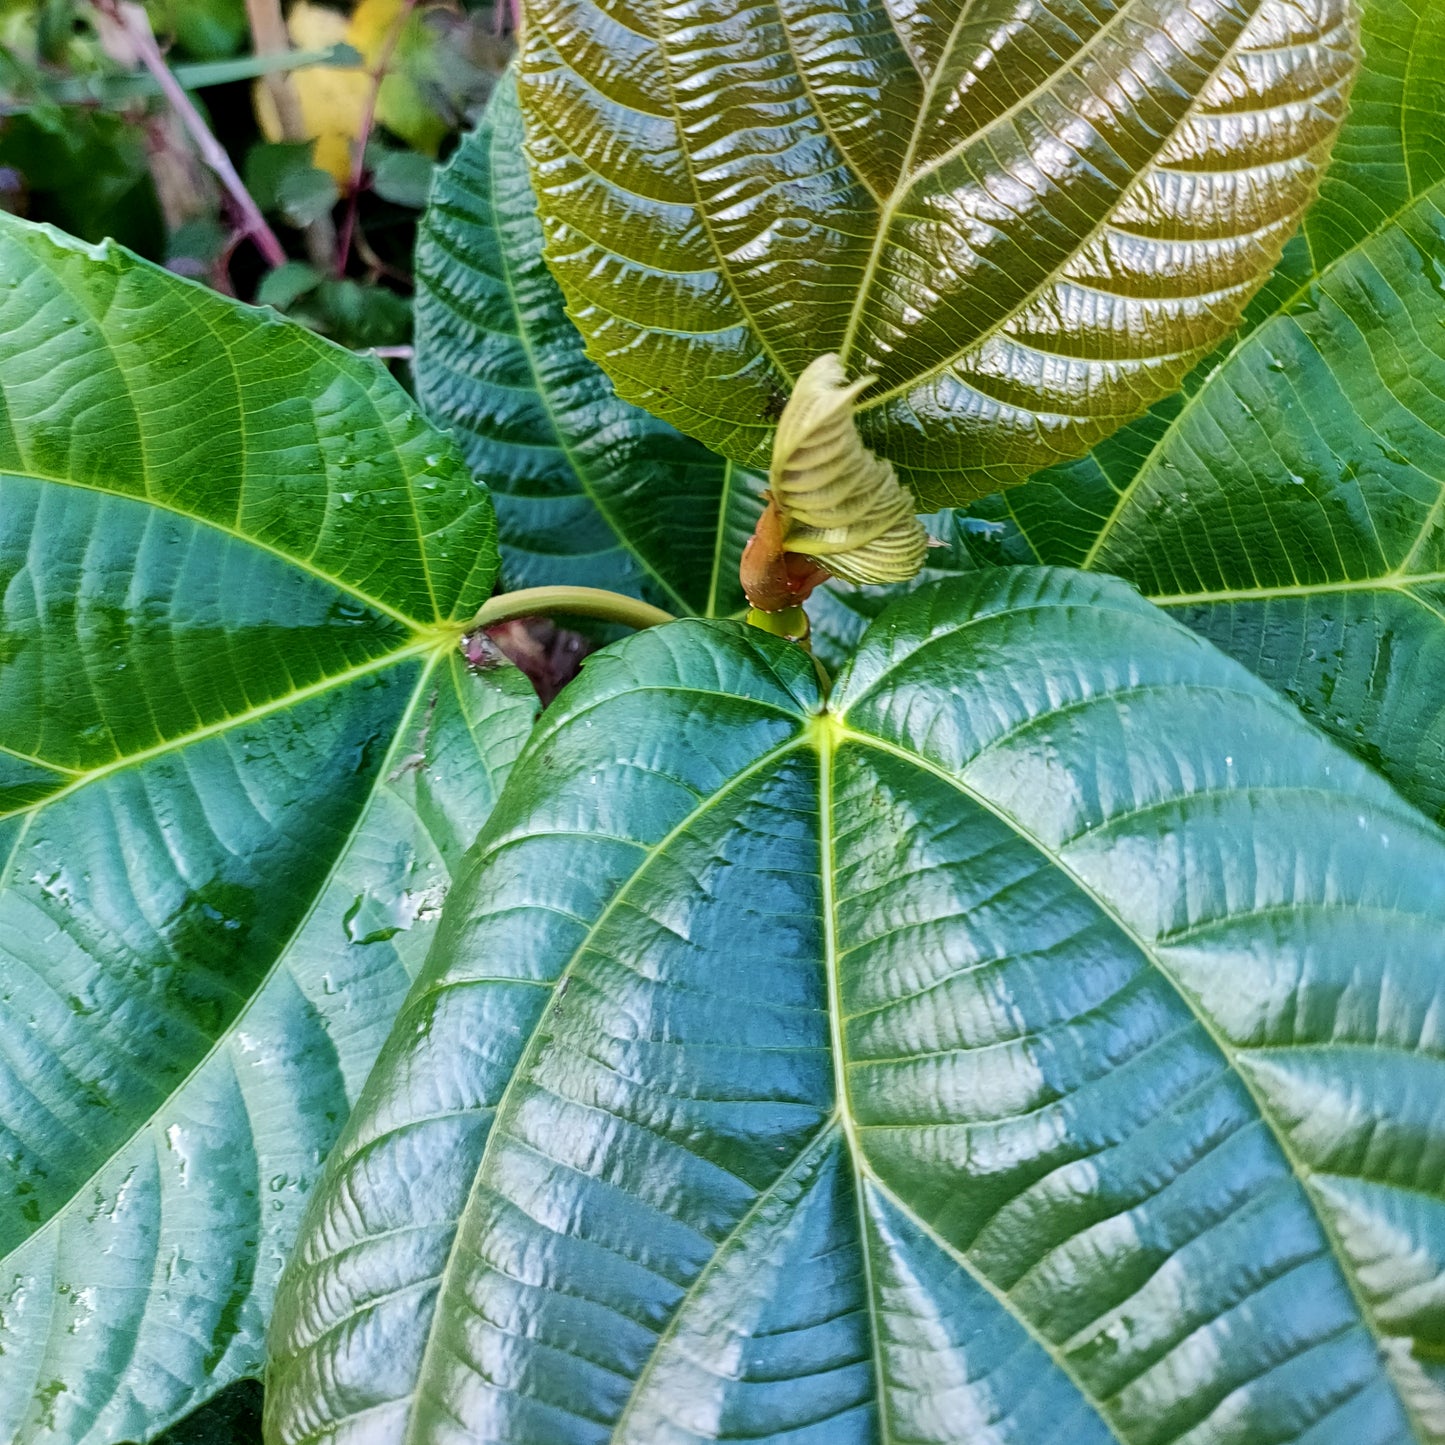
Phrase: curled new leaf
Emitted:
{"points": [[833, 505], [843, 505]]}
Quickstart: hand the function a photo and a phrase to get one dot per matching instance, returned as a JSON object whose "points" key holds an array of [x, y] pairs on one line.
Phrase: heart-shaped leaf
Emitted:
{"points": [[240, 754], [1291, 504], [935, 1066], [1026, 218], [589, 489]]}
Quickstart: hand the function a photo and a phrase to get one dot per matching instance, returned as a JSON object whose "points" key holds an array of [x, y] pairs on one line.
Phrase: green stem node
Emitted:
{"points": [[574, 601]]}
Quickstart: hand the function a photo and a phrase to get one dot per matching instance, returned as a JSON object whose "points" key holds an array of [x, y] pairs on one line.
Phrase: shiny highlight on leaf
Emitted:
{"points": [[1028, 219]]}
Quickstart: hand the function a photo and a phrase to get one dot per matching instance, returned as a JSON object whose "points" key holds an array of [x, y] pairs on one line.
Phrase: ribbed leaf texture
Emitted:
{"points": [[240, 754], [1027, 218], [589, 489], [935, 1067], [1291, 504], [839, 614]]}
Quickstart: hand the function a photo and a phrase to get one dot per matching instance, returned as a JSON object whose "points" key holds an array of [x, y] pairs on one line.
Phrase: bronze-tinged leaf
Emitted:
{"points": [[1027, 218]]}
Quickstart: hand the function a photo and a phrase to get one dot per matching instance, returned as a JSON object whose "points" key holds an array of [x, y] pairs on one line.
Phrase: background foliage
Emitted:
{"points": [[87, 142]]}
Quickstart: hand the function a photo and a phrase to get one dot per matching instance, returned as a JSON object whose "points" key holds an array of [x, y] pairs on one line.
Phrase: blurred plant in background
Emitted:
{"points": [[123, 120]]}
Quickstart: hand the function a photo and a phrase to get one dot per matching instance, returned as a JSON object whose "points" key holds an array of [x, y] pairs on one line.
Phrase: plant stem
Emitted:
{"points": [[578, 601], [368, 120], [133, 21], [269, 37]]}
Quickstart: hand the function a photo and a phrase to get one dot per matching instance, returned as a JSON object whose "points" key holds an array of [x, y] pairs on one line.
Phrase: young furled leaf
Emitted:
{"points": [[833, 507], [843, 504]]}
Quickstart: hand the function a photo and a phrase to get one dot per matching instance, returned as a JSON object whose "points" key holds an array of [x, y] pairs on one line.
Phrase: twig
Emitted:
{"points": [[392, 353], [368, 120], [374, 263], [269, 37], [134, 23]]}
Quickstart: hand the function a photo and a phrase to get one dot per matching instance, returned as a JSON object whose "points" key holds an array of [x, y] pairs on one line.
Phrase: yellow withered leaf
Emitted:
{"points": [[841, 504], [332, 100]]}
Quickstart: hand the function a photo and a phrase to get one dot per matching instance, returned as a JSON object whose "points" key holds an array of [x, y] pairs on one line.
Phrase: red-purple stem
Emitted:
{"points": [[133, 21], [368, 120]]}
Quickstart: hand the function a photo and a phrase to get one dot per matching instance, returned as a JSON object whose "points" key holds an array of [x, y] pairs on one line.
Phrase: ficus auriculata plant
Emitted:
{"points": [[936, 975]]}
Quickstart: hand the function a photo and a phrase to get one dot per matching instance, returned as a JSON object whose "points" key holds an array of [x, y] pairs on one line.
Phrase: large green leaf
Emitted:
{"points": [[589, 489], [1043, 1043], [1027, 218], [1291, 504], [240, 753]]}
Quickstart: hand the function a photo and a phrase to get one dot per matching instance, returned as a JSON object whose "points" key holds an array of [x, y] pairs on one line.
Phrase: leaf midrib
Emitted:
{"points": [[320, 687], [192, 293], [822, 740], [908, 179], [302, 564], [820, 736], [224, 1036], [1227, 1051], [828, 731], [1390, 582], [1052, 277]]}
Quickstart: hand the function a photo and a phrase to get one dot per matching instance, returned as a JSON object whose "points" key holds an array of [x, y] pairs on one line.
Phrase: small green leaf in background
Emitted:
{"points": [[930, 1067], [1028, 222], [1290, 505], [401, 177], [270, 166], [305, 193], [286, 285], [589, 490], [234, 721], [194, 246]]}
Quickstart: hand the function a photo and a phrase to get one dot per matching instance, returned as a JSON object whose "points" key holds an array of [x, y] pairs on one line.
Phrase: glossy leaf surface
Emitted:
{"points": [[936, 1068], [1027, 218], [1291, 504], [589, 490], [240, 754], [839, 614]]}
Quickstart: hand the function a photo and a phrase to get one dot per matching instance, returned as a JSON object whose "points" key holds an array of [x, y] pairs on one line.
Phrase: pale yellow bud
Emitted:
{"points": [[841, 504]]}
